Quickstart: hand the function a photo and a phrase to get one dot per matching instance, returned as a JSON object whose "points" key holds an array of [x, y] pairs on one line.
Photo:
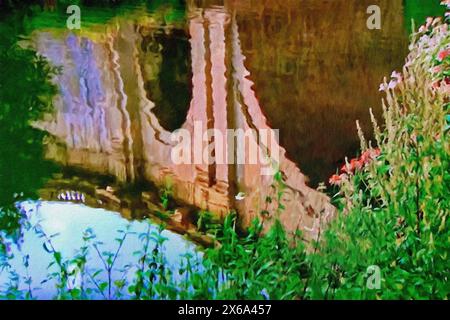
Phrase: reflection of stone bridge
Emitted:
{"points": [[107, 123]]}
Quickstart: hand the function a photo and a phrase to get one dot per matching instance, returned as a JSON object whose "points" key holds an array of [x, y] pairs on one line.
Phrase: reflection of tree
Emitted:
{"points": [[25, 94]]}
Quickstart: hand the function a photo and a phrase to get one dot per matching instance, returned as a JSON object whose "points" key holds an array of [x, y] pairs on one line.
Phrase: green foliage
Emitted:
{"points": [[208, 223], [256, 267], [94, 13], [26, 93], [166, 196], [418, 10]]}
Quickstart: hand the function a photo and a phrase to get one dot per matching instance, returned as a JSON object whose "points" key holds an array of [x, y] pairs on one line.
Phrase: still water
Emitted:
{"points": [[65, 224], [132, 75]]}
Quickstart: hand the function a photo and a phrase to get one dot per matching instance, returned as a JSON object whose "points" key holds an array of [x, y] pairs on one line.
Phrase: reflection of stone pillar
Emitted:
{"points": [[197, 111], [304, 207], [217, 21], [207, 109], [122, 135]]}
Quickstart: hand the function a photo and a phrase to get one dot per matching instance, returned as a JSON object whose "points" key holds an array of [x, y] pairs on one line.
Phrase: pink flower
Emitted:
{"points": [[437, 69], [442, 84], [445, 86], [444, 27], [344, 168], [365, 157], [356, 164], [335, 180], [369, 155], [443, 54], [436, 84], [375, 153]]}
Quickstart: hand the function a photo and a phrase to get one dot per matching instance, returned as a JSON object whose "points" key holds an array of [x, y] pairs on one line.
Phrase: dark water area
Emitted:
{"points": [[171, 88], [317, 68]]}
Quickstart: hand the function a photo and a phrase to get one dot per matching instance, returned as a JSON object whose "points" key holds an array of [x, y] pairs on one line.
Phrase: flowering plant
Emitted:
{"points": [[395, 198]]}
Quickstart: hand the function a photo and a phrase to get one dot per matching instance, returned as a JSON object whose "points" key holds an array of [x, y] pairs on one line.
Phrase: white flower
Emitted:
{"points": [[396, 75], [383, 87], [392, 84]]}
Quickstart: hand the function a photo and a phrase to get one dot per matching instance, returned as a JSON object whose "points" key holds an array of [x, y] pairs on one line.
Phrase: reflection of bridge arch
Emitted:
{"points": [[107, 122]]}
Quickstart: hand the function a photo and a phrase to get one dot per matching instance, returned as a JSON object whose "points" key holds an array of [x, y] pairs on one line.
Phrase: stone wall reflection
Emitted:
{"points": [[106, 121]]}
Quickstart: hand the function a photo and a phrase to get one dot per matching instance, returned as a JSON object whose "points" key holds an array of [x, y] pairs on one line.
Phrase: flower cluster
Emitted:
{"points": [[355, 164], [430, 38], [440, 70]]}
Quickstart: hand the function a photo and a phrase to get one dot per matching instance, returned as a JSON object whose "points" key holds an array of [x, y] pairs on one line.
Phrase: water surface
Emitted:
{"points": [[64, 224], [310, 69], [135, 74]]}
